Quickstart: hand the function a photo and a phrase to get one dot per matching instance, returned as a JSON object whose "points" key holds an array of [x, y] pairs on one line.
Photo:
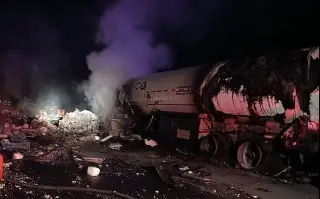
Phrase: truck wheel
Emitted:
{"points": [[209, 145], [249, 155]]}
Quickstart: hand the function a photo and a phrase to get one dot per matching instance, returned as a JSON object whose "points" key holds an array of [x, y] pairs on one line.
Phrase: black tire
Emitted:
{"points": [[250, 155], [218, 146], [208, 145]]}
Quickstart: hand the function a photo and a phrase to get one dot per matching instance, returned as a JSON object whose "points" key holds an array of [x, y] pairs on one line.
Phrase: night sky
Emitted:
{"points": [[239, 28]]}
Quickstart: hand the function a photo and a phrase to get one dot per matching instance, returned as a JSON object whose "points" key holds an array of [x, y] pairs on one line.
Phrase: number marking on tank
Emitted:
{"points": [[141, 85]]}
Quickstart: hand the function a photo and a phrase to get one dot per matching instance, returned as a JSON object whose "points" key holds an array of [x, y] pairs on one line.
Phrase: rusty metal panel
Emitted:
{"points": [[269, 106], [237, 104], [230, 103]]}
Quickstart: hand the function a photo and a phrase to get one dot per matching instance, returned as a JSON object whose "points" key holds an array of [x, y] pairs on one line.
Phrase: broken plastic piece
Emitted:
{"points": [[17, 156], [151, 143], [93, 171]]}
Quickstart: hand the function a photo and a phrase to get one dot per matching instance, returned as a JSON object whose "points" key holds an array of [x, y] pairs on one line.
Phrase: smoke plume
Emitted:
{"points": [[134, 34]]}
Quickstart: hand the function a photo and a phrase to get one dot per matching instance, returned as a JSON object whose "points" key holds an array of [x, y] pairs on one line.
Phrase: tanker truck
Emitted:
{"points": [[243, 108]]}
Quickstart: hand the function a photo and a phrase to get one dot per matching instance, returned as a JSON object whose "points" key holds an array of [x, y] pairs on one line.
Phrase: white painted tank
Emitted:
{"points": [[166, 91], [177, 91]]}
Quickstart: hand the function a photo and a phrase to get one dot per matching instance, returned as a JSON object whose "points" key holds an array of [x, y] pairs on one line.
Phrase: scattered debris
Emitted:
{"points": [[115, 146], [185, 168], [163, 173], [106, 138], [89, 138], [283, 171], [117, 126], [47, 196], [79, 122], [6, 144], [151, 143], [17, 156], [136, 137], [182, 151], [93, 171], [192, 176], [95, 160]]}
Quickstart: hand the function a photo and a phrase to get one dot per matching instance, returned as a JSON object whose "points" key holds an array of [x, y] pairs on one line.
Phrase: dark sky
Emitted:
{"points": [[241, 28]]}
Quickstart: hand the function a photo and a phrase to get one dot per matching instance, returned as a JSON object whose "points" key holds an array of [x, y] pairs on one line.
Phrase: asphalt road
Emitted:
{"points": [[130, 172]]}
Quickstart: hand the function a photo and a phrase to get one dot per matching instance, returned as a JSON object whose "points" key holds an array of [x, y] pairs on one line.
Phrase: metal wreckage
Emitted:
{"points": [[241, 112], [16, 125], [247, 108]]}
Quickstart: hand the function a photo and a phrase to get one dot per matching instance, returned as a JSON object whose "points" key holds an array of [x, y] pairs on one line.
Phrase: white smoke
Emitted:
{"points": [[129, 30]]}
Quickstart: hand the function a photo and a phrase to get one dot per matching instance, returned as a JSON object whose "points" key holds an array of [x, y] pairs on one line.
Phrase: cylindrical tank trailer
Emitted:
{"points": [[240, 99]]}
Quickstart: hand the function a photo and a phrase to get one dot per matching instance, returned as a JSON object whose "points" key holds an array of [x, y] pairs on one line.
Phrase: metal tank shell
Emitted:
{"points": [[170, 91], [178, 90], [174, 91], [265, 86]]}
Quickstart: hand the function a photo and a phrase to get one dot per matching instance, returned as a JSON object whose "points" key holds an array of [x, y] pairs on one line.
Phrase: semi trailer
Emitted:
{"points": [[249, 107]]}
